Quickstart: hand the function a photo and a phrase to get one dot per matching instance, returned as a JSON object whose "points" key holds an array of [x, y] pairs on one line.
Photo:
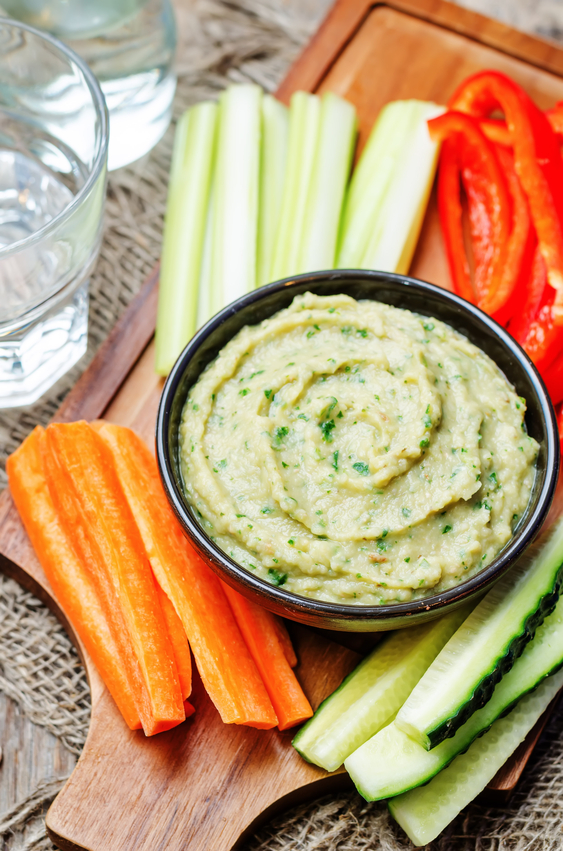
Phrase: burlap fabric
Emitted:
{"points": [[221, 41]]}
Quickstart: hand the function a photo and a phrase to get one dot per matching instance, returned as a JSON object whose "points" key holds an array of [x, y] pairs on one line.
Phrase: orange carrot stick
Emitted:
{"points": [[71, 583], [285, 641], [95, 513], [179, 642], [261, 636], [224, 662]]}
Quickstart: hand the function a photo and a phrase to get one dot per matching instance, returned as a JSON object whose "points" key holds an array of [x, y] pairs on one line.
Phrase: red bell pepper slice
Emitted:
{"points": [[537, 161], [469, 154], [555, 118], [451, 219], [512, 291], [534, 326], [553, 378], [496, 131], [533, 294]]}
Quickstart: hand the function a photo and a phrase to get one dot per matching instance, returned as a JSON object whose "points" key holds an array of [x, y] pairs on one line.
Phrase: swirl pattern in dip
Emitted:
{"points": [[356, 453]]}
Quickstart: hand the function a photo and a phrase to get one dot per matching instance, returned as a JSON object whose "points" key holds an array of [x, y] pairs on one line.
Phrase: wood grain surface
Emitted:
{"points": [[204, 784]]}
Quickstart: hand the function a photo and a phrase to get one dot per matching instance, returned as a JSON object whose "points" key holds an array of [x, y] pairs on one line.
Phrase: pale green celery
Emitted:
{"points": [[235, 195], [370, 180], [204, 311], [389, 191], [331, 169], [424, 812], [304, 121], [183, 232], [275, 133]]}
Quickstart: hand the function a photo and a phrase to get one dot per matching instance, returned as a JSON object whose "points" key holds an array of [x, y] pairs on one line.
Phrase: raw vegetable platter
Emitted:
{"points": [[204, 784]]}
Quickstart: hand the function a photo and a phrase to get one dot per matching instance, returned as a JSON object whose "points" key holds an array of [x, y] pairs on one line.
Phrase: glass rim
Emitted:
{"points": [[100, 160]]}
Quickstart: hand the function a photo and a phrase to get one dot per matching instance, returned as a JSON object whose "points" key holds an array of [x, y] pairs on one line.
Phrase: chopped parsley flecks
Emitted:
{"points": [[361, 467], [279, 433], [276, 577], [326, 428]]}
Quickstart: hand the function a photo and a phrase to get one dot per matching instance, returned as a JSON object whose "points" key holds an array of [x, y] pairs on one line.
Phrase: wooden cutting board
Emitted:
{"points": [[203, 785]]}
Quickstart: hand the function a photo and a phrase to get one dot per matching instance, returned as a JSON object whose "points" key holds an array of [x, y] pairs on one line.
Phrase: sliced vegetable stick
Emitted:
{"points": [[71, 583], [261, 636], [80, 465], [273, 158], [285, 641], [179, 641], [222, 657], [184, 228]]}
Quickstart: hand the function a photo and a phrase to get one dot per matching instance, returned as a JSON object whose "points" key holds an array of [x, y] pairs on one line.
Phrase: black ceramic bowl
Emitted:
{"points": [[398, 291]]}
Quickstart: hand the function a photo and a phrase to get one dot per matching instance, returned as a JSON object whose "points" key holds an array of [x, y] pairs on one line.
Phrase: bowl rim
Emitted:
{"points": [[236, 575]]}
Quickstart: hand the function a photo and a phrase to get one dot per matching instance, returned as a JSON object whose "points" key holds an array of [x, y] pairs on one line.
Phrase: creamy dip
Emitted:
{"points": [[356, 453]]}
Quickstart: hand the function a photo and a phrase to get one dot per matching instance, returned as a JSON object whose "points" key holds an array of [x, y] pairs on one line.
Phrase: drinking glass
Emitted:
{"points": [[53, 154], [129, 45]]}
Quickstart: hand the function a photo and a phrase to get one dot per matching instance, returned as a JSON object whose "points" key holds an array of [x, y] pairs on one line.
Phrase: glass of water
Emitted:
{"points": [[130, 46], [53, 154]]}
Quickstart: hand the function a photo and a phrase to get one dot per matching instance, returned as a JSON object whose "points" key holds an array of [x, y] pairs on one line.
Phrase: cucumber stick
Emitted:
{"points": [[424, 812], [371, 695], [462, 677], [391, 763]]}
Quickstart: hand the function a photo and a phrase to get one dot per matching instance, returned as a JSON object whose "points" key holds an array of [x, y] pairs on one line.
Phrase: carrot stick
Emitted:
{"points": [[71, 583], [95, 513], [179, 643], [261, 636], [224, 662], [285, 641]]}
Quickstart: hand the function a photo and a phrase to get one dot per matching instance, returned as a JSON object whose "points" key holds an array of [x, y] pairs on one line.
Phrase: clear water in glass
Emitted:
{"points": [[129, 45], [53, 152]]}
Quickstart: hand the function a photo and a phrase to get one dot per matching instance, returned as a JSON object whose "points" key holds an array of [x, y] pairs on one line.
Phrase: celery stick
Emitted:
{"points": [[389, 193], [331, 168], [204, 311], [183, 232], [371, 179], [275, 132], [304, 120], [235, 201]]}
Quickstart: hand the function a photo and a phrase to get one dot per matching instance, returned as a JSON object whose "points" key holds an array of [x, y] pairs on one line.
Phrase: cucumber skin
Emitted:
{"points": [[484, 690], [428, 777]]}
